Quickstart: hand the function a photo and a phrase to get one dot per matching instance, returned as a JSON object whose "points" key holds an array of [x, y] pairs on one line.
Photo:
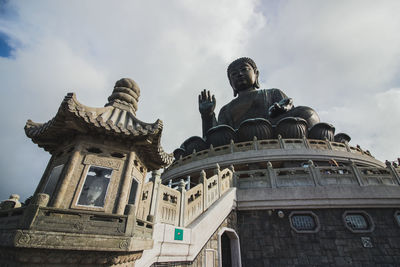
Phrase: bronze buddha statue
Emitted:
{"points": [[250, 103]]}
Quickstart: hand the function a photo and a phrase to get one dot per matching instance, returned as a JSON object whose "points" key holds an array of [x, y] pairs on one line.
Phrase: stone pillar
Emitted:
{"points": [[67, 177], [181, 189], [156, 179], [127, 180]]}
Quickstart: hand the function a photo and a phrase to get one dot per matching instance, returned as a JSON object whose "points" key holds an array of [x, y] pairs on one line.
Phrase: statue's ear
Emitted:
{"points": [[257, 84]]}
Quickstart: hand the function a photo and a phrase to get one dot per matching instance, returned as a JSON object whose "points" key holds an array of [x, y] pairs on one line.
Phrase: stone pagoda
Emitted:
{"points": [[83, 210]]}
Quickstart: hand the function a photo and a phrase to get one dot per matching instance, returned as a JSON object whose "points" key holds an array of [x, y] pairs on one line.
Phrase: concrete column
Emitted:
{"points": [[67, 177], [127, 179]]}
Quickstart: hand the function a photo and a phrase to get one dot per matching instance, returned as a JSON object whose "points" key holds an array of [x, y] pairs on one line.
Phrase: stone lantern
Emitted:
{"points": [[85, 201]]}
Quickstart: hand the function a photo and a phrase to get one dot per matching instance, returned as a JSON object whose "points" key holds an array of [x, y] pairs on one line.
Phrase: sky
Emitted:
{"points": [[341, 58]]}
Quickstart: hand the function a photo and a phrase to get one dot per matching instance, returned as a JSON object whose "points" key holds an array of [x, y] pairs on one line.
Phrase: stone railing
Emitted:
{"points": [[312, 175], [279, 143], [38, 217], [181, 207]]}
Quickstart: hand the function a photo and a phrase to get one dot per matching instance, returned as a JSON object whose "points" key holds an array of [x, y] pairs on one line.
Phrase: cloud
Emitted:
{"points": [[336, 56]]}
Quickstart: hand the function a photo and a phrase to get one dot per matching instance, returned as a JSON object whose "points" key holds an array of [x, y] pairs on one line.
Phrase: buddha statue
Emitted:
{"points": [[250, 103]]}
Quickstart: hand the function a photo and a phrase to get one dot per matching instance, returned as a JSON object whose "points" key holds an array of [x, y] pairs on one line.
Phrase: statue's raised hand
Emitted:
{"points": [[206, 103]]}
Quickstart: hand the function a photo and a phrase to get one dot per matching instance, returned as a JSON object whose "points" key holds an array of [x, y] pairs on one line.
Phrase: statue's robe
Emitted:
{"points": [[256, 104]]}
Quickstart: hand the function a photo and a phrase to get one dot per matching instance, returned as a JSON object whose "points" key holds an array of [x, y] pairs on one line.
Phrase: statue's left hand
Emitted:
{"points": [[280, 107]]}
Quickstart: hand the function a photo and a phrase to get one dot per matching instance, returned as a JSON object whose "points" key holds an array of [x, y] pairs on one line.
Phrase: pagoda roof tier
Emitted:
{"points": [[115, 120]]}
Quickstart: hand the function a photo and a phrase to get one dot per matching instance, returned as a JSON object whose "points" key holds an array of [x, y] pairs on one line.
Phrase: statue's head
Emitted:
{"points": [[243, 74]]}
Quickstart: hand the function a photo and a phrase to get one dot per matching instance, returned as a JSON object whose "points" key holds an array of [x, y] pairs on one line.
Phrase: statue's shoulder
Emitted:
{"points": [[270, 91]]}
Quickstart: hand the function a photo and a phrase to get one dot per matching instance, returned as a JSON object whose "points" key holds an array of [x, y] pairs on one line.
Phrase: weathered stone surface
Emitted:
{"points": [[333, 245]]}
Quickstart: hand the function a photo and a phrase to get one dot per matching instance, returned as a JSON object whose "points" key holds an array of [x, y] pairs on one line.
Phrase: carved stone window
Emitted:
{"points": [[358, 221], [53, 179], [95, 187], [132, 193], [304, 222]]}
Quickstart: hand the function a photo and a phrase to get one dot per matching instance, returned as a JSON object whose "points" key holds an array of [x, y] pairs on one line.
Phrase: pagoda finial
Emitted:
{"points": [[125, 94]]}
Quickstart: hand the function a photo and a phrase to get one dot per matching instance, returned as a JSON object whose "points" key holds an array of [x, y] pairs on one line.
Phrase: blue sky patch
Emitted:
{"points": [[5, 48]]}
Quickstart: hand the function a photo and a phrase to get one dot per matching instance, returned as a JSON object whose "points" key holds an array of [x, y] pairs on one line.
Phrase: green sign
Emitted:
{"points": [[178, 234]]}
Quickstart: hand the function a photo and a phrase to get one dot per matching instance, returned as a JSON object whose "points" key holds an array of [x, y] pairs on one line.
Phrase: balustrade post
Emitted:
{"points": [[315, 174], [233, 180], [156, 179], [130, 210], [217, 171], [328, 143], [347, 146], [280, 141], [182, 207], [357, 173], [393, 171], [203, 180], [271, 174], [232, 146], [255, 143]]}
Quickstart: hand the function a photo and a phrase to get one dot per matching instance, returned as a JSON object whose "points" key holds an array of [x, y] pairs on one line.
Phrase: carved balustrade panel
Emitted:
{"points": [[194, 205], [60, 220], [293, 143], [338, 146], [253, 179], [355, 150], [212, 190], [268, 144], [376, 176], [225, 180], [168, 205], [145, 201], [342, 175], [318, 144], [244, 146], [299, 176]]}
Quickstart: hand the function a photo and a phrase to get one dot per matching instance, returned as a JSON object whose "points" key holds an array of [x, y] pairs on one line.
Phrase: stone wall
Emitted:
{"points": [[268, 240], [211, 245]]}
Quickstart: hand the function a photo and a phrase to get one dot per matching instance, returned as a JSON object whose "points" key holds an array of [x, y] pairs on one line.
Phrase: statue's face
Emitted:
{"points": [[243, 77]]}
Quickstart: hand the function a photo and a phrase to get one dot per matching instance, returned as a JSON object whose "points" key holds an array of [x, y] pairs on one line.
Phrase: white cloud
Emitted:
{"points": [[336, 56]]}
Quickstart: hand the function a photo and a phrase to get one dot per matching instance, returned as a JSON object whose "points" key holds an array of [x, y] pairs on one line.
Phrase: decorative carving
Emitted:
{"points": [[103, 162], [123, 244], [22, 238]]}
